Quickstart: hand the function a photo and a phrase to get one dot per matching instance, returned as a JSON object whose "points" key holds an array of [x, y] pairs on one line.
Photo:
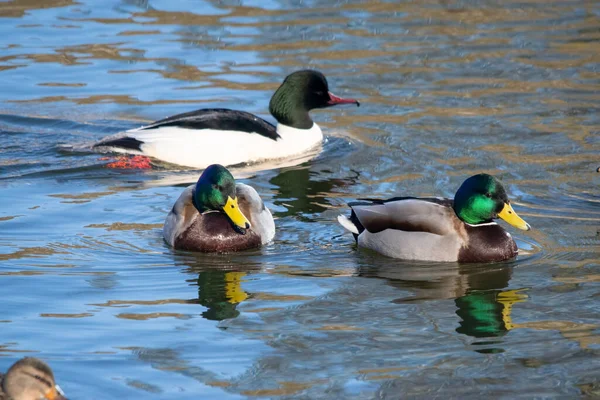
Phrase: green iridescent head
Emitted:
{"points": [[300, 92], [482, 198], [215, 191]]}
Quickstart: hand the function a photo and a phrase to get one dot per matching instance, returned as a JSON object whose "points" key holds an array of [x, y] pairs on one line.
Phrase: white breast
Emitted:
{"points": [[201, 148]]}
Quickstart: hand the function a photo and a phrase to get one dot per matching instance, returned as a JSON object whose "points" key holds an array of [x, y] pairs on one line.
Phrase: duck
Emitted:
{"points": [[203, 137], [29, 379], [218, 215], [439, 229]]}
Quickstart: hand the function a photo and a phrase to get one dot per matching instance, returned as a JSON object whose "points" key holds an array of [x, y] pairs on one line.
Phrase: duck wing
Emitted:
{"points": [[407, 214], [218, 119], [253, 207], [438, 200], [181, 216], [213, 119]]}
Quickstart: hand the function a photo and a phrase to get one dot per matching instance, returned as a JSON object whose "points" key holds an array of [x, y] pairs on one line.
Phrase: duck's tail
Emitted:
{"points": [[121, 144], [347, 224]]}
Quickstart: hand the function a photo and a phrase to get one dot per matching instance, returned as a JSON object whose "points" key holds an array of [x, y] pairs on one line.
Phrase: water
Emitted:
{"points": [[447, 90]]}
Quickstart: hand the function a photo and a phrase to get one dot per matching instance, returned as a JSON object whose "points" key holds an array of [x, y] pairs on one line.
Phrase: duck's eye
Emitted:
{"points": [[319, 93], [488, 195], [42, 379]]}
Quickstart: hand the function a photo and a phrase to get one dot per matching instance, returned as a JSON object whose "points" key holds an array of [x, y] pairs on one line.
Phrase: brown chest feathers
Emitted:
{"points": [[487, 243], [213, 232]]}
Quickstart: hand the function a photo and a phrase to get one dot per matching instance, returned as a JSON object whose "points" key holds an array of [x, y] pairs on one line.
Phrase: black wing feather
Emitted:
{"points": [[219, 119], [440, 201], [125, 142]]}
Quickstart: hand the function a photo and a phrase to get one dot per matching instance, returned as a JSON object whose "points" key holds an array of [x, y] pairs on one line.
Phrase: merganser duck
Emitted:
{"points": [[203, 137], [434, 229], [218, 215], [29, 379]]}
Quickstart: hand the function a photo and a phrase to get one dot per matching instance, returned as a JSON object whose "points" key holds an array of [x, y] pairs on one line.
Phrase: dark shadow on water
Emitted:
{"points": [[483, 306], [304, 191]]}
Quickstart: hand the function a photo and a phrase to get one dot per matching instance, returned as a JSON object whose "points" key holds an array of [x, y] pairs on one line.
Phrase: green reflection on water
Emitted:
{"points": [[487, 313], [483, 306], [302, 195], [220, 292]]}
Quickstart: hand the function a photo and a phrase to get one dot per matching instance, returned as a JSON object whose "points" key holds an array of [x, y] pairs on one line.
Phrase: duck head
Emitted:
{"points": [[31, 379], [482, 198], [215, 192], [299, 93]]}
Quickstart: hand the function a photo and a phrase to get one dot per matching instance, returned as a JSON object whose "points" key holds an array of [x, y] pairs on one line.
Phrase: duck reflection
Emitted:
{"points": [[219, 279], [221, 292], [303, 191], [487, 314], [483, 306]]}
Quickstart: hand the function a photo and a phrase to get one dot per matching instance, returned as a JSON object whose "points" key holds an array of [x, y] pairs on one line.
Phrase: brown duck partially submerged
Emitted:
{"points": [[29, 379]]}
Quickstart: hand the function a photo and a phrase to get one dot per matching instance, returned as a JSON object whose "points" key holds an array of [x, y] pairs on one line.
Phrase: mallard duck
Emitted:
{"points": [[218, 215], [29, 379], [433, 229], [191, 138]]}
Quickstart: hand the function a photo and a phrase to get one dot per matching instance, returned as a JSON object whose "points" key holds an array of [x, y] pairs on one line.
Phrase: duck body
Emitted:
{"points": [[214, 136], [430, 229], [427, 230], [228, 137], [186, 228]]}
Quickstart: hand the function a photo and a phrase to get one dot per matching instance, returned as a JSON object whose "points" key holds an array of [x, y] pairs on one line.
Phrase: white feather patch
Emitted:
{"points": [[347, 224]]}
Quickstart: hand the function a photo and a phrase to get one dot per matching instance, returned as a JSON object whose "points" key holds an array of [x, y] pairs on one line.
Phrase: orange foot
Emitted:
{"points": [[126, 162]]}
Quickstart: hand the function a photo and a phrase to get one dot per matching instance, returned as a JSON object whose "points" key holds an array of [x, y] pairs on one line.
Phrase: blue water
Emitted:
{"points": [[447, 90]]}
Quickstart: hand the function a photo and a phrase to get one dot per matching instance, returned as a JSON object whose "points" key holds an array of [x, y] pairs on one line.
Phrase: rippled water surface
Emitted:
{"points": [[448, 90]]}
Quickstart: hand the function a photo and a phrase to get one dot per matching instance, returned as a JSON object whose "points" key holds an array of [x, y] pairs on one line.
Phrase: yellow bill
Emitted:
{"points": [[510, 216], [235, 215]]}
